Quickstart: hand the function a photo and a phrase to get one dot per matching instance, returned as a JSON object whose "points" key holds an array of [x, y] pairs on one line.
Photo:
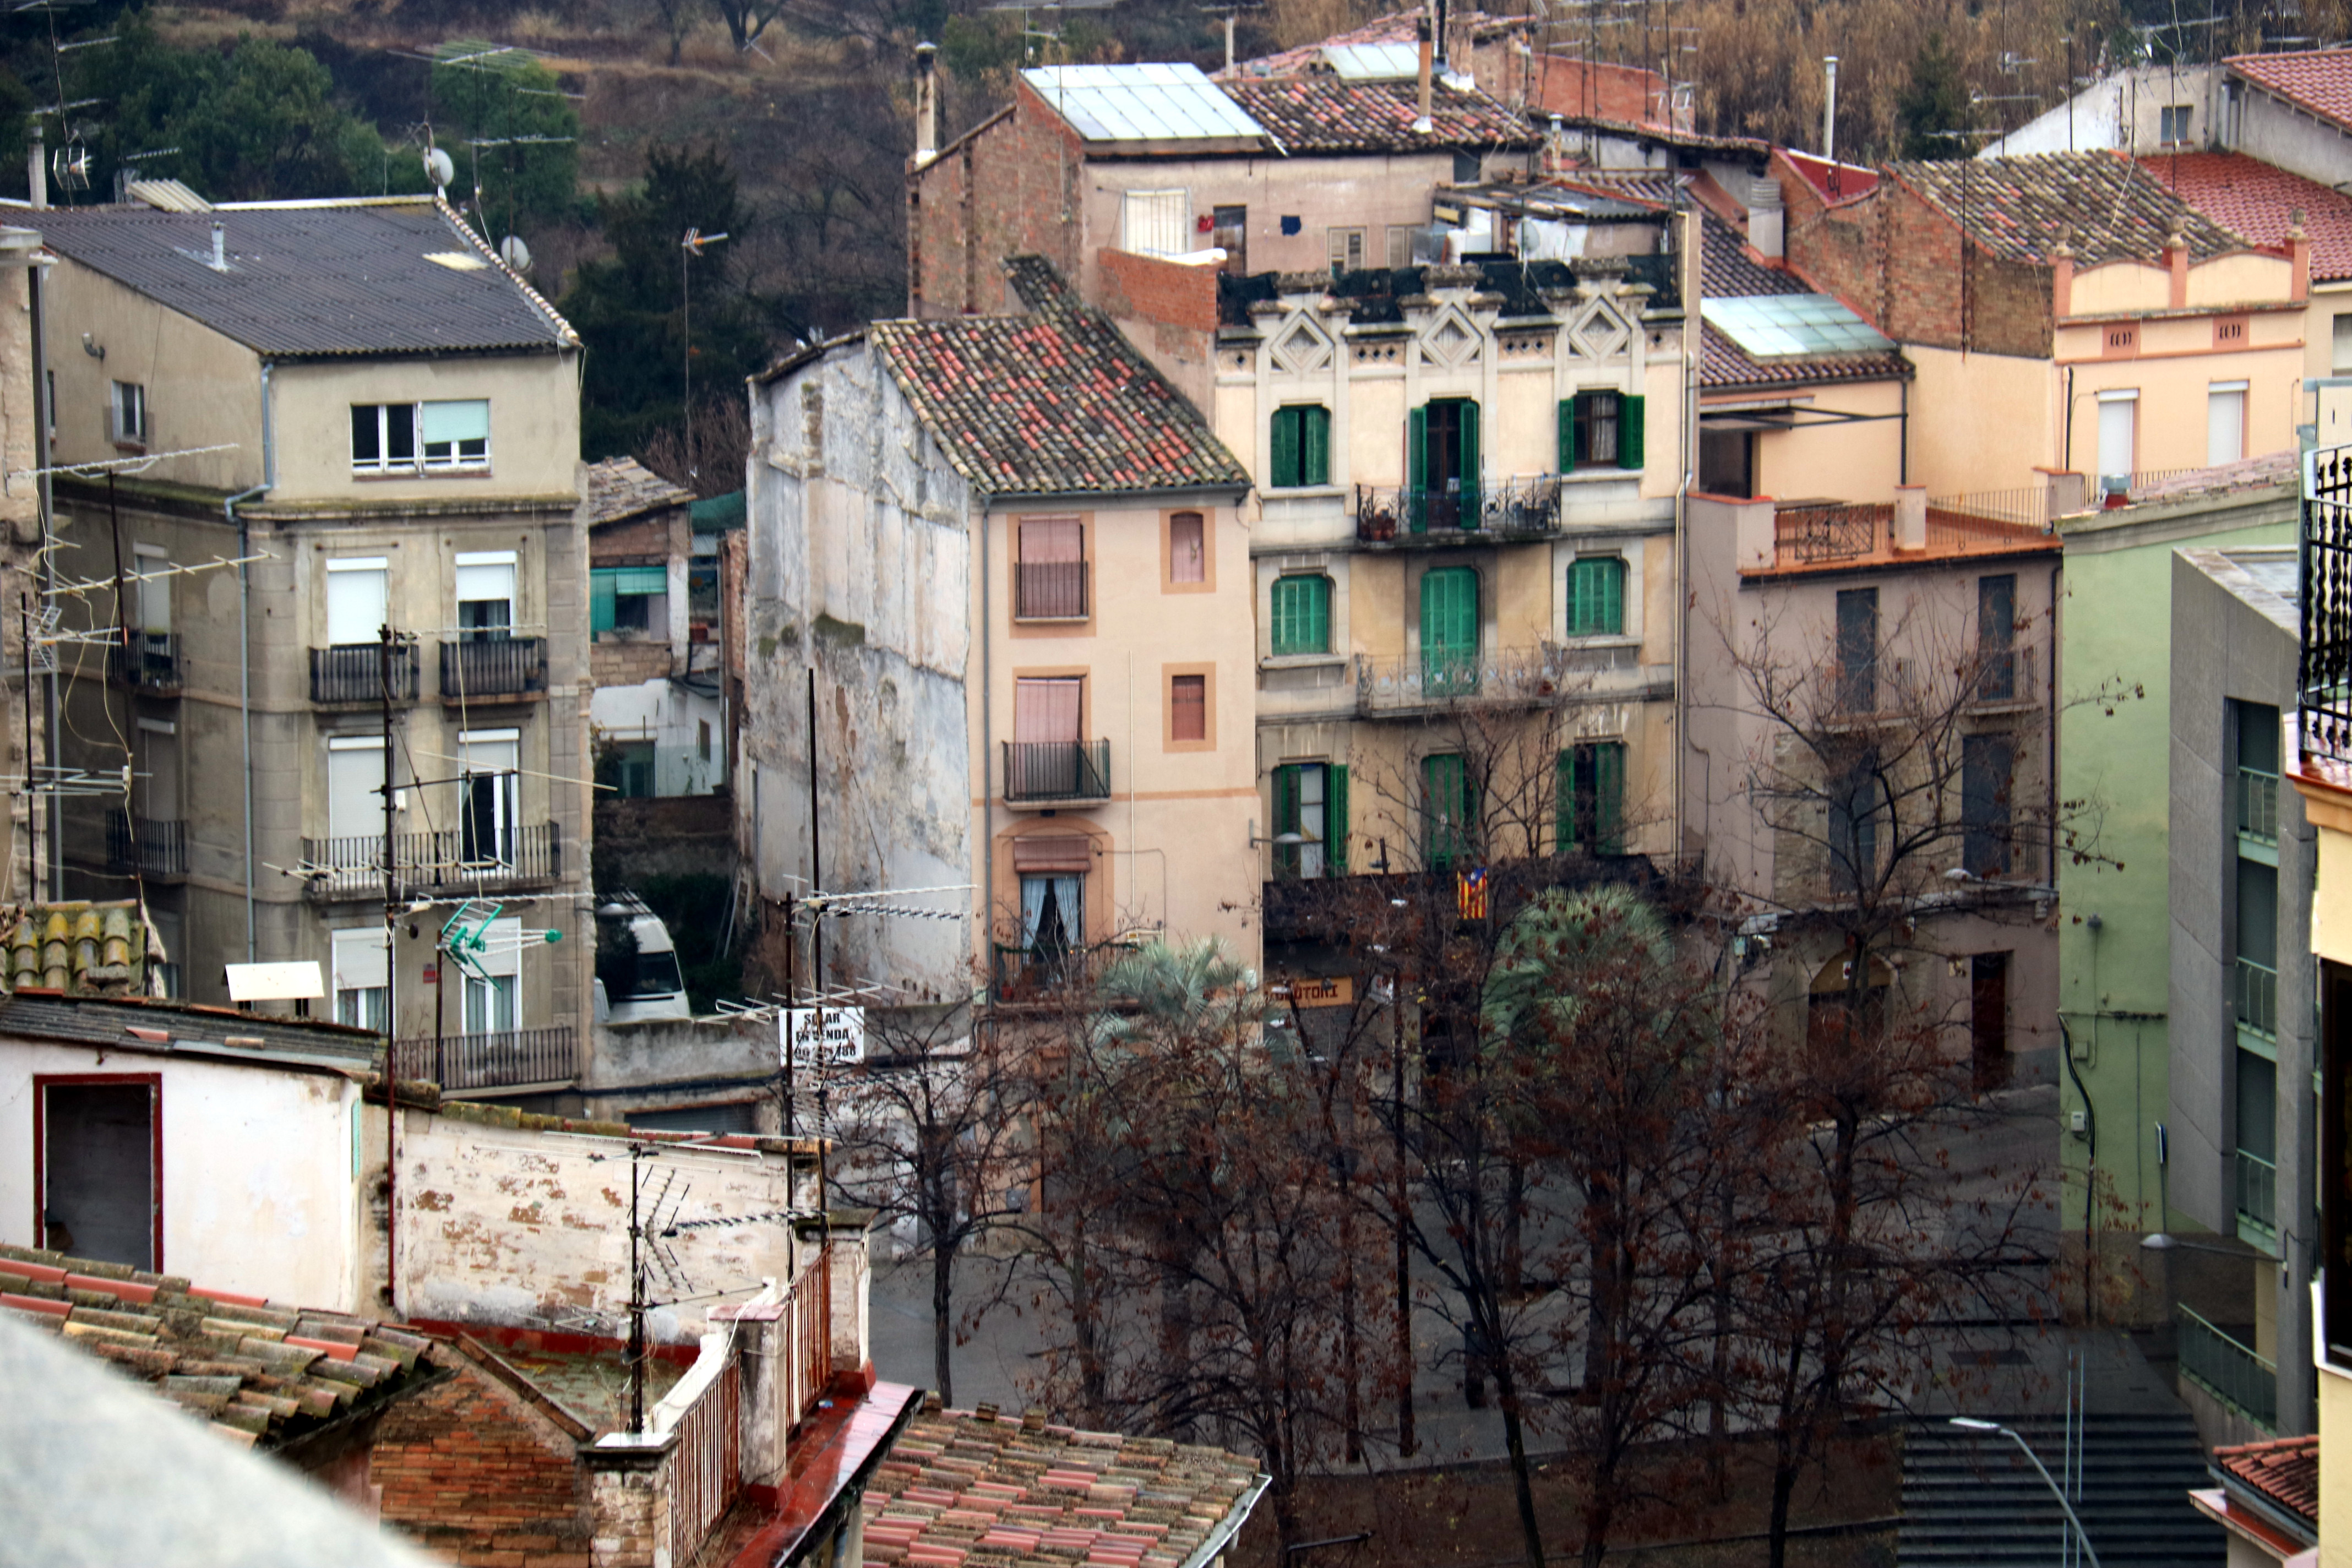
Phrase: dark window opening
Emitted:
{"points": [[1989, 1020], [1986, 764], [1727, 463], [1857, 650], [99, 1195], [1996, 638]]}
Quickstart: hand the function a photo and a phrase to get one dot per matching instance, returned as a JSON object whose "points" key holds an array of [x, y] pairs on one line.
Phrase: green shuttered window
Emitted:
{"points": [[1311, 799], [1449, 798], [1596, 596], [1302, 447], [1602, 430], [1591, 787], [1302, 616]]}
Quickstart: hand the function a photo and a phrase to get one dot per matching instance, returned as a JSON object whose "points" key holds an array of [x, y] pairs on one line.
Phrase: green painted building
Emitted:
{"points": [[2114, 763]]}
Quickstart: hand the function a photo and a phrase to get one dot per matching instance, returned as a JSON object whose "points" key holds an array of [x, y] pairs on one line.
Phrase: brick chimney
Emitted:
{"points": [[2298, 254], [2175, 260], [1422, 125], [2061, 279]]}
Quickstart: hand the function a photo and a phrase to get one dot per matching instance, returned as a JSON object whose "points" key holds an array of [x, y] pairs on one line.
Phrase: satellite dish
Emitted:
{"points": [[515, 253], [438, 168]]}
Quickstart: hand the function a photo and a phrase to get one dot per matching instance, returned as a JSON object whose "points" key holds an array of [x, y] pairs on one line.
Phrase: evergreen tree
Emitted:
{"points": [[1936, 100], [514, 137]]}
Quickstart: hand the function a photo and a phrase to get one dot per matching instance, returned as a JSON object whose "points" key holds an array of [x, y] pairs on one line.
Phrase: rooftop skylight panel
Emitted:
{"points": [[1780, 326], [1373, 62], [1155, 102]]}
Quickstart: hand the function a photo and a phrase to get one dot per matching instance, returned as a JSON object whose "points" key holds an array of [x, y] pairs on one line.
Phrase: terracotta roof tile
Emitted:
{"points": [[2285, 1471], [959, 1484], [1324, 114], [2259, 201], [2318, 79], [1401, 27], [81, 948], [1054, 403], [260, 1373], [2019, 208], [622, 487]]}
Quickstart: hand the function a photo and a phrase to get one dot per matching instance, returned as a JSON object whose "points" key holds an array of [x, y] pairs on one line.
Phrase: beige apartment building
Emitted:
{"points": [[1003, 567], [357, 418]]}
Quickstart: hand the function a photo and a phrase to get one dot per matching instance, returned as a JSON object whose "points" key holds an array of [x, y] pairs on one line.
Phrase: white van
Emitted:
{"points": [[637, 976]]}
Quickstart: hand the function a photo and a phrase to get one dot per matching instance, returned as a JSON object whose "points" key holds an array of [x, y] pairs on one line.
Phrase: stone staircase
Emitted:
{"points": [[1971, 1500]]}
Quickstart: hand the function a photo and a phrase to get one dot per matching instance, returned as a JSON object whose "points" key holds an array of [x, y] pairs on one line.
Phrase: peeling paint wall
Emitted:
{"points": [[530, 1228], [860, 561]]}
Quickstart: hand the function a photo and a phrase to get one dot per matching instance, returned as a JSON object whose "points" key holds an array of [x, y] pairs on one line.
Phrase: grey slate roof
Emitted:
{"points": [[622, 487], [47, 1016], [319, 281]]}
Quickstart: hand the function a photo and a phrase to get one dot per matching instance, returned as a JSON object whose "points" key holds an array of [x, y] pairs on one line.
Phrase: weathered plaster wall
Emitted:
{"points": [[860, 567], [260, 1174], [530, 1228]]}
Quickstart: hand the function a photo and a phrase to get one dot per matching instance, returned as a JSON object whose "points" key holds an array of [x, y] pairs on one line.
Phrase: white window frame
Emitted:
{"points": [[1341, 242], [359, 954], [2217, 390], [1155, 222], [379, 565], [155, 602], [126, 414], [506, 558], [461, 461], [369, 743], [2128, 395]]}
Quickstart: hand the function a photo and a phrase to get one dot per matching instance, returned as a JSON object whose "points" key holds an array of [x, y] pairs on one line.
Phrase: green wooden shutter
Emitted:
{"points": [[1579, 598], [600, 601], [1441, 789], [1629, 432], [1316, 594], [1334, 819], [1315, 445], [1575, 407], [1565, 435], [1609, 798], [1449, 631], [1468, 449], [1285, 447], [1285, 820], [1612, 597]]}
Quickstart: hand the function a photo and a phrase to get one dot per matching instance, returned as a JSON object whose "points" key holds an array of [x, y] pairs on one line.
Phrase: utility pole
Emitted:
{"points": [[1407, 1442], [636, 1299], [391, 977], [816, 860]]}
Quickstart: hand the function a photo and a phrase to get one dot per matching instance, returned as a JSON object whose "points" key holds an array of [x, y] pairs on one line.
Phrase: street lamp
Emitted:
{"points": [[1972, 1425]]}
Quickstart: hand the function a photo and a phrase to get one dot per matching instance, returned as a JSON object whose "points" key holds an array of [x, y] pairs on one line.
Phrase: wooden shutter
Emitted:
{"points": [[1302, 615], [1416, 450], [1045, 710], [1566, 435], [1285, 447], [1187, 708], [1047, 540], [601, 600], [1609, 798], [1334, 819], [1315, 445], [1468, 451], [1564, 803], [1629, 432], [1286, 819], [1449, 611]]}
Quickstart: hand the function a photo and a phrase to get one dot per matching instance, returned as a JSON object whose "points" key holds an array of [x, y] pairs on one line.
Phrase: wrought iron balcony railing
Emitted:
{"points": [[138, 845], [493, 1061], [2229, 1371], [150, 662], [2324, 681], [1523, 506], [453, 859], [493, 666], [1414, 683], [353, 672], [1049, 591], [2258, 806], [1045, 771]]}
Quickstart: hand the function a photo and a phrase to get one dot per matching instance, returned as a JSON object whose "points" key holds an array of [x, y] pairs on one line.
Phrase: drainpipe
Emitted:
{"points": [[245, 634], [987, 755]]}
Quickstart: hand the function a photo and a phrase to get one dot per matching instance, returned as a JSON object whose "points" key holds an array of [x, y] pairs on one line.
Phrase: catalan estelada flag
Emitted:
{"points": [[1470, 893]]}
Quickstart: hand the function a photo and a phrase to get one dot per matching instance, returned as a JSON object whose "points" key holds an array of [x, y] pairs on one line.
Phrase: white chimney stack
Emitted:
{"points": [[1828, 109], [37, 170], [927, 104], [1422, 126], [1767, 219], [220, 249]]}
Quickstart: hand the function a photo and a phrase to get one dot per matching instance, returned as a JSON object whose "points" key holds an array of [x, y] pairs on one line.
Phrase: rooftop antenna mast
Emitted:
{"points": [[688, 250]]}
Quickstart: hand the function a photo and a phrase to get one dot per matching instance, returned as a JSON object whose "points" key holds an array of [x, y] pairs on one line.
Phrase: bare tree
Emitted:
{"points": [[932, 1132]]}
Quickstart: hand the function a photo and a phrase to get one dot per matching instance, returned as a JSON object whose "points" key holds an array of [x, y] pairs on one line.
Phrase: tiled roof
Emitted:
{"points": [[81, 948], [2318, 79], [2284, 1470], [2019, 208], [2258, 200], [1403, 27], [1324, 114], [152, 1024], [1647, 187], [2245, 474], [1727, 272], [260, 1373], [406, 278], [963, 1485], [1052, 403], [622, 487]]}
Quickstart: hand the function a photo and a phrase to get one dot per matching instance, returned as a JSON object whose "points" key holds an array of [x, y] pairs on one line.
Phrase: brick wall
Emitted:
{"points": [[640, 540], [623, 661], [1624, 93], [1899, 262], [481, 1474], [1009, 188], [1150, 288]]}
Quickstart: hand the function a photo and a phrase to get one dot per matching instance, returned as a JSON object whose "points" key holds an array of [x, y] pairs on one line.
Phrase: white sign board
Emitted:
{"points": [[823, 1036], [275, 982]]}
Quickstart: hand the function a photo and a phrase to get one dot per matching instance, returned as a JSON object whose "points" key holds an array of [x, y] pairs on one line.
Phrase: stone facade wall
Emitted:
{"points": [[1901, 262], [1009, 187]]}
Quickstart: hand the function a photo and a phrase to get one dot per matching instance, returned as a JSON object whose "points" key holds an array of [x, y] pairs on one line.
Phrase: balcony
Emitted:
{"points": [[1050, 590], [1522, 506], [1414, 684], [450, 861], [2256, 990], [2257, 1182], [2228, 1371], [2323, 681], [1830, 534], [493, 666], [1056, 773], [138, 846], [150, 662], [353, 672], [2258, 806], [501, 1060]]}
